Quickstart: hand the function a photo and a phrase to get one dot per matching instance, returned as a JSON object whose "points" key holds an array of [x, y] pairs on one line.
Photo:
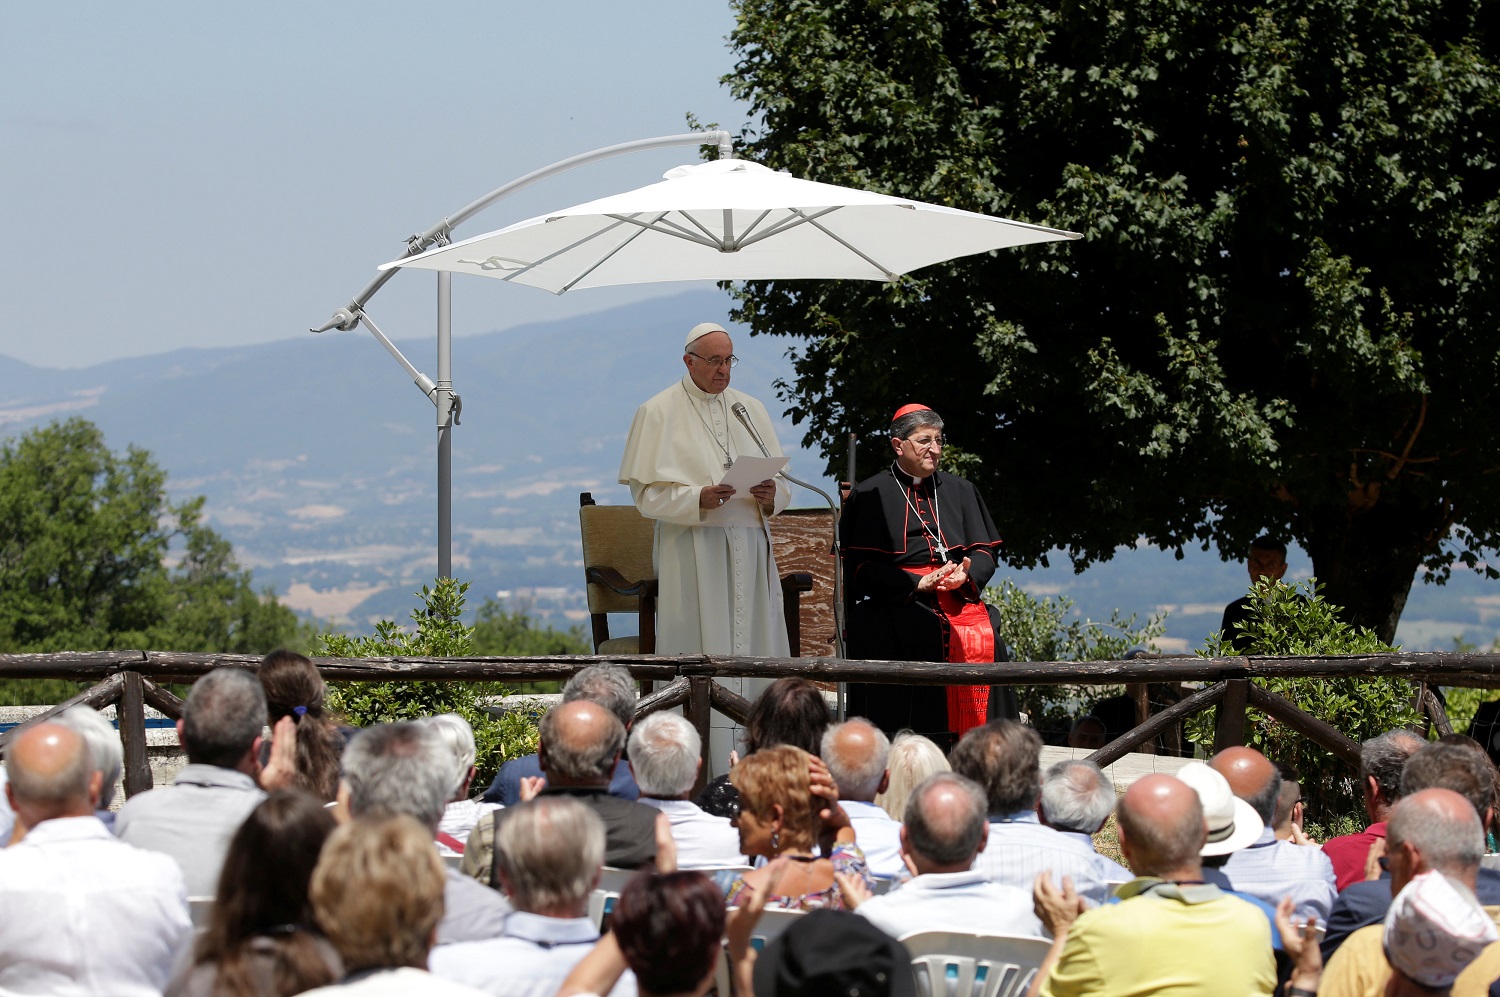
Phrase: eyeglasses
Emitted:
{"points": [[728, 361], [928, 442]]}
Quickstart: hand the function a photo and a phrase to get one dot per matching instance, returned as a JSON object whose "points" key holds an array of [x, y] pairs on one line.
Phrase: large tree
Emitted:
{"points": [[1282, 315], [94, 556]]}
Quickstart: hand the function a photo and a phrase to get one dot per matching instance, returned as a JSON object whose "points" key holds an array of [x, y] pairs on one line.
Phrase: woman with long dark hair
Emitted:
{"points": [[261, 939], [788, 711], [295, 689]]}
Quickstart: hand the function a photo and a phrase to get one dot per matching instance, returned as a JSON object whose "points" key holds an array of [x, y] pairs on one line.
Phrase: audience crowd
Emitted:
{"points": [[326, 860]]}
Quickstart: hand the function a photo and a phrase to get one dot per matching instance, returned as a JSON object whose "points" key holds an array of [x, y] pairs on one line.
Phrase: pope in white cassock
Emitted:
{"points": [[719, 590]]}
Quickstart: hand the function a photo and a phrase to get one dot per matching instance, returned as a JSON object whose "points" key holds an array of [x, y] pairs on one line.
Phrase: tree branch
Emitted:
{"points": [[1410, 440]]}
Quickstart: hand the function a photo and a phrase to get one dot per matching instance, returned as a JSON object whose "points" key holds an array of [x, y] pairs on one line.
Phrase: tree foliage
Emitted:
{"points": [[94, 556], [437, 631], [1281, 315], [1292, 620], [1049, 629]]}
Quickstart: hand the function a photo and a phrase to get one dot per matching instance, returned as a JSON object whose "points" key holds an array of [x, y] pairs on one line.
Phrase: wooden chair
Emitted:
{"points": [[621, 578], [619, 573], [952, 964]]}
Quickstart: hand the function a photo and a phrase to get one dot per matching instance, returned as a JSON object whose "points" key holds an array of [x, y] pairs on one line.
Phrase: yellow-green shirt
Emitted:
{"points": [[1162, 938]]}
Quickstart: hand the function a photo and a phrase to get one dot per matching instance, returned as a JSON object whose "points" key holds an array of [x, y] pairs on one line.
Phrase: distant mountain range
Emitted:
{"points": [[317, 456]]}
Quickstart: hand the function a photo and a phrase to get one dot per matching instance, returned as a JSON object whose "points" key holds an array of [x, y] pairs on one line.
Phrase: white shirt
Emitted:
{"points": [[703, 840], [82, 913], [1269, 870], [1111, 870], [404, 982], [7, 815], [1020, 847], [953, 901], [459, 818], [531, 959], [878, 836], [472, 911]]}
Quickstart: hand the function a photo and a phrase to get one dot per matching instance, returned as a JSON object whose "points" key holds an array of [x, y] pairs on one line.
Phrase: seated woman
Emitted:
{"points": [[788, 804], [788, 711], [295, 689], [262, 939]]}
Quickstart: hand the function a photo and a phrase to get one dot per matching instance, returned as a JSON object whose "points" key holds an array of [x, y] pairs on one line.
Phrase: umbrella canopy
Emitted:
{"points": [[729, 220]]}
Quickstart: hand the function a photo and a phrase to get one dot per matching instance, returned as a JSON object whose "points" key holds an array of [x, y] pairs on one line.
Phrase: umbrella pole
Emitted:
{"points": [[446, 420]]}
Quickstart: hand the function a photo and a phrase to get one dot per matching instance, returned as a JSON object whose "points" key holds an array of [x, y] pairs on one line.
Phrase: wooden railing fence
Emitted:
{"points": [[131, 680]]}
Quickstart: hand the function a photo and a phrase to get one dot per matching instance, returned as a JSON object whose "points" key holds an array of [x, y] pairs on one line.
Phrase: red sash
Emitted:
{"points": [[971, 640]]}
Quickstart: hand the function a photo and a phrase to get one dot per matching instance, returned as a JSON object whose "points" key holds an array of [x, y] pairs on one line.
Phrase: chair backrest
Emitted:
{"points": [[601, 907], [198, 910], [773, 921], [619, 537], [613, 879], [953, 964]]}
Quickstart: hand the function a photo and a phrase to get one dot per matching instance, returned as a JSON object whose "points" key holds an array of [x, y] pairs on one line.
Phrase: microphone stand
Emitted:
{"points": [[741, 414]]}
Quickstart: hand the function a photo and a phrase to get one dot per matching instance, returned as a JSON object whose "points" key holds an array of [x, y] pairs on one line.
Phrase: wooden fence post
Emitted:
{"points": [[698, 710], [1138, 693], [1229, 727], [131, 716]]}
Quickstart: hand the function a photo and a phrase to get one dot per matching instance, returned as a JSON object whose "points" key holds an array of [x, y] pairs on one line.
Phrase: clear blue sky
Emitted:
{"points": [[190, 174]]}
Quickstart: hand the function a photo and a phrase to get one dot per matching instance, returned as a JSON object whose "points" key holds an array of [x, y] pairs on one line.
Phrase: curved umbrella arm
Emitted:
{"points": [[346, 318]]}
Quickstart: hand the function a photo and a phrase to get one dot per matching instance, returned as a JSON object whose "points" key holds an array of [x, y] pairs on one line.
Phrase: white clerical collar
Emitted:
{"points": [[698, 393]]}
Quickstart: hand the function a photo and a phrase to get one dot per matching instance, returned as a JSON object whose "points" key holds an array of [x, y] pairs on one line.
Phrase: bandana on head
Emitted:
{"points": [[1434, 929]]}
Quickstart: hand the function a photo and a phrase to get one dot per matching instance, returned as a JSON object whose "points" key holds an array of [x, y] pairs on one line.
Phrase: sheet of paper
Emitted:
{"points": [[747, 472]]}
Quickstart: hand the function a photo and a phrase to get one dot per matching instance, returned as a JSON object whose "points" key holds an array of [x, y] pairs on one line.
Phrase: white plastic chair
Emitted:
{"points": [[773, 921], [613, 879], [953, 964], [198, 911], [601, 906]]}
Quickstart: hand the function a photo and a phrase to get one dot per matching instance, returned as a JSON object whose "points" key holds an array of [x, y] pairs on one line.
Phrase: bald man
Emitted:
{"points": [[855, 752], [1432, 830], [1169, 928], [1269, 869], [83, 913], [946, 826], [578, 745]]}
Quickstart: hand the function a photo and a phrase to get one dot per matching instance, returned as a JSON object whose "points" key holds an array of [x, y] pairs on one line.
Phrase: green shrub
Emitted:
{"points": [[1046, 629], [1287, 620], [438, 632]]}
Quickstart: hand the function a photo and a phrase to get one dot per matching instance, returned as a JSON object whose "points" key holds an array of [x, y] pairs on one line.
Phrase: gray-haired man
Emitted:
{"points": [[550, 852], [855, 752], [1077, 798], [193, 819], [665, 755], [405, 768]]}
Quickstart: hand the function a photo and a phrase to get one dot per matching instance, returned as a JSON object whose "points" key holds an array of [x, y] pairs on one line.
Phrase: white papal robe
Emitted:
{"points": [[719, 590]]}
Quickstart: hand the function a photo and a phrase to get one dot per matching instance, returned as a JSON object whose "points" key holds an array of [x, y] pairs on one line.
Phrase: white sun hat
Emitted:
{"points": [[1232, 823]]}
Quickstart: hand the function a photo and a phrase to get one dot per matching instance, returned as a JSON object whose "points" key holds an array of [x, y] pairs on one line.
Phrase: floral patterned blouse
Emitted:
{"points": [[846, 857]]}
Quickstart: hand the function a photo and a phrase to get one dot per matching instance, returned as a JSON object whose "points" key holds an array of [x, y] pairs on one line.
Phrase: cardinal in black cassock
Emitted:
{"points": [[918, 547]]}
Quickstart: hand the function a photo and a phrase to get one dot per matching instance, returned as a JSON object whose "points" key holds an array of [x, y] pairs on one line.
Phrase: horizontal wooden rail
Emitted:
{"points": [[1437, 667], [133, 679]]}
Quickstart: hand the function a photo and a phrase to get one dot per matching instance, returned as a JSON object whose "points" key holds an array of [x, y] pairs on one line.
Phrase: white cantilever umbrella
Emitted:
{"points": [[729, 220]]}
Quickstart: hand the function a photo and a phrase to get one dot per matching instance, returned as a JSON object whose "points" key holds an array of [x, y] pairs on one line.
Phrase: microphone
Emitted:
{"points": [[743, 416]]}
